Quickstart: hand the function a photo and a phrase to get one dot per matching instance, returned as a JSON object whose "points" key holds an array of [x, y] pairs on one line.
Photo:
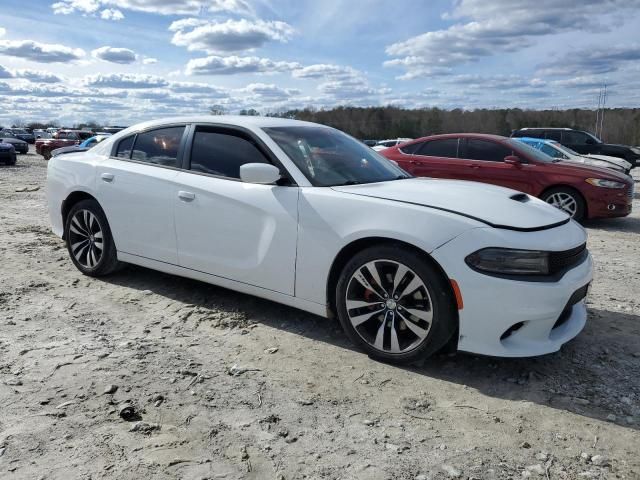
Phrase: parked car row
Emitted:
{"points": [[61, 138], [583, 191], [304, 215]]}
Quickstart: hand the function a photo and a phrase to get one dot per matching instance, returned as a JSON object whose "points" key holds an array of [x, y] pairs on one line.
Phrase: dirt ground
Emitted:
{"points": [[230, 386]]}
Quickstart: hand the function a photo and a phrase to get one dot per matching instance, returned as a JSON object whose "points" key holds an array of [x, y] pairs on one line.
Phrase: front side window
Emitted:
{"points": [[486, 150], [159, 147], [447, 147], [222, 153], [574, 138], [328, 157], [411, 148]]}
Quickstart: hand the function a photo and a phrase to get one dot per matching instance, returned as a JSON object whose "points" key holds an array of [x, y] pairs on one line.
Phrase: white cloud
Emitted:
{"points": [[37, 76], [124, 80], [324, 71], [111, 14], [268, 92], [215, 65], [193, 87], [2, 31], [114, 55], [40, 52], [149, 60], [161, 7], [229, 36], [496, 27]]}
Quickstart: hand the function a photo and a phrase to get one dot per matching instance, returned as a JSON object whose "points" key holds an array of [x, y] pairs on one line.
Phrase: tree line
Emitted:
{"points": [[621, 125]]}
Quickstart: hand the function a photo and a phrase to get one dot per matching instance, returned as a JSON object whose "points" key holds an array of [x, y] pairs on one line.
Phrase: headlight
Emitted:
{"points": [[601, 182], [507, 261]]}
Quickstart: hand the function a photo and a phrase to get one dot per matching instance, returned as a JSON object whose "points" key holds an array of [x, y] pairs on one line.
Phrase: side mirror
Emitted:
{"points": [[513, 160], [262, 173]]}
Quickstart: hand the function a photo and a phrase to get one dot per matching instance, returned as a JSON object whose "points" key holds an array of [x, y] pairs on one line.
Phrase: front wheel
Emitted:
{"points": [[89, 239], [567, 200], [396, 305]]}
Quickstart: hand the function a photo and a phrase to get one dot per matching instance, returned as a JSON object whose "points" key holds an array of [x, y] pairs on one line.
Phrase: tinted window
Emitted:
{"points": [[124, 147], [440, 148], [411, 149], [159, 147], [554, 135], [85, 135], [531, 133], [574, 138], [486, 150], [222, 154]]}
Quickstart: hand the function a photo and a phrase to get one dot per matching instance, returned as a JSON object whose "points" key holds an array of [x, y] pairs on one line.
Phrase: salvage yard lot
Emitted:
{"points": [[231, 386]]}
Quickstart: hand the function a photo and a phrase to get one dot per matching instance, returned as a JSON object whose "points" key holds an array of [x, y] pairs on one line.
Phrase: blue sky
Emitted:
{"points": [[122, 61]]}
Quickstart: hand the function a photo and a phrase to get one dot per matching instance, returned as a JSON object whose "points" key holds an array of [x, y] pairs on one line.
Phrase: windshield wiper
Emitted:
{"points": [[348, 182]]}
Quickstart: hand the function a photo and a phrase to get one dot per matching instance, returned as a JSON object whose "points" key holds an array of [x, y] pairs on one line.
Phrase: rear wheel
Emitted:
{"points": [[395, 304], [89, 239], [567, 200]]}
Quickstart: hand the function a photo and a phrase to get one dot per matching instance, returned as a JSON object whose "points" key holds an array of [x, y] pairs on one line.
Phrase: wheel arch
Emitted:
{"points": [[569, 187], [71, 199], [349, 250]]}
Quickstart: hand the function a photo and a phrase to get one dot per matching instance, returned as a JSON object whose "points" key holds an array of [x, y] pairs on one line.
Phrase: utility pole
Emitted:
{"points": [[602, 101]]}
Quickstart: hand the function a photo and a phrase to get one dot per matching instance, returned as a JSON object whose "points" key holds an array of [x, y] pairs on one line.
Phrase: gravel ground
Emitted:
{"points": [[224, 385]]}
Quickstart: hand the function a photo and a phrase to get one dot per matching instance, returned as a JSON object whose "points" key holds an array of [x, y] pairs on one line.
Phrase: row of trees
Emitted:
{"points": [[621, 125]]}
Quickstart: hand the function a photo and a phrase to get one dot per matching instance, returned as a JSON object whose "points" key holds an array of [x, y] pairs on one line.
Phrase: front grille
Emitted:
{"points": [[577, 296], [560, 261]]}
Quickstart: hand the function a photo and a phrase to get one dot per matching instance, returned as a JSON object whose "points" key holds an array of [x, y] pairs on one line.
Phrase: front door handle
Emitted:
{"points": [[415, 162], [474, 165], [186, 196], [107, 177]]}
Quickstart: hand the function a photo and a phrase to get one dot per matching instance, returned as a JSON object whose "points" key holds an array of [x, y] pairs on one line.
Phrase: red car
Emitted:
{"points": [[583, 192], [62, 138]]}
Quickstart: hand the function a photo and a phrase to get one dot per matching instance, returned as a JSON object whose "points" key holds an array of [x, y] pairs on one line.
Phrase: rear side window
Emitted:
{"points": [[447, 147], [124, 147], [552, 152], [530, 133], [221, 153], [486, 150], [554, 135], [159, 147]]}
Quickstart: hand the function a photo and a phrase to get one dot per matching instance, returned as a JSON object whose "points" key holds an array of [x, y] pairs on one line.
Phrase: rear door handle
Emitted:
{"points": [[415, 162], [186, 196], [107, 177], [474, 165]]}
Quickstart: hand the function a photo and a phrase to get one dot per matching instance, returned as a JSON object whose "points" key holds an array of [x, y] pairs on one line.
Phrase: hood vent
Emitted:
{"points": [[520, 197]]}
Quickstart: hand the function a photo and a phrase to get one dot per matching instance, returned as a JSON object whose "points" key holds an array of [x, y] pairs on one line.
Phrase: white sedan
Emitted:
{"points": [[305, 215]]}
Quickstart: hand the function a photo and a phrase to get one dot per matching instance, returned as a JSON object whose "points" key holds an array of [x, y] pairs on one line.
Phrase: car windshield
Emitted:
{"points": [[328, 157], [528, 150]]}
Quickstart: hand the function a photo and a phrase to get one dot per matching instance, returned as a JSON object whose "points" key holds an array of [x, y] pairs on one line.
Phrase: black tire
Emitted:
{"points": [[46, 154], [580, 205], [75, 231], [442, 304]]}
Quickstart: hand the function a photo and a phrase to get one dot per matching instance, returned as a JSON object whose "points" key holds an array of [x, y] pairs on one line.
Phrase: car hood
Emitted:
{"points": [[495, 206], [587, 171], [607, 158]]}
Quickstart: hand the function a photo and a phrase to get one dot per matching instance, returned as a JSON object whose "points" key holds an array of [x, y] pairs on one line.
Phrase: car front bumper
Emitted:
{"points": [[513, 318], [609, 202]]}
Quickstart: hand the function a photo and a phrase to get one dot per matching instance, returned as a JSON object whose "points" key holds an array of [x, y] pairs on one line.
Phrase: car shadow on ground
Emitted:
{"points": [[595, 375], [624, 224]]}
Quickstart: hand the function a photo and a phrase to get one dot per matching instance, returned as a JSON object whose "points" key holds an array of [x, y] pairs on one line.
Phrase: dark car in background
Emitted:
{"points": [[20, 133], [7, 154], [582, 142], [20, 146], [581, 191]]}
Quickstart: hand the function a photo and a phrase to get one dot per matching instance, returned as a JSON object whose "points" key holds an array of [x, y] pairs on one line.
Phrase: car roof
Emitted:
{"points": [[233, 120], [482, 136], [547, 128]]}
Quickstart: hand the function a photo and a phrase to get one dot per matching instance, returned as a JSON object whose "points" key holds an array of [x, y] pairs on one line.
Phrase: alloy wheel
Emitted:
{"points": [[389, 306], [86, 238], [564, 202]]}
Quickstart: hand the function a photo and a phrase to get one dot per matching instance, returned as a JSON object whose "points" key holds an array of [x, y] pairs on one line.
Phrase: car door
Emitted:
{"points": [[135, 187], [228, 228], [486, 158]]}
